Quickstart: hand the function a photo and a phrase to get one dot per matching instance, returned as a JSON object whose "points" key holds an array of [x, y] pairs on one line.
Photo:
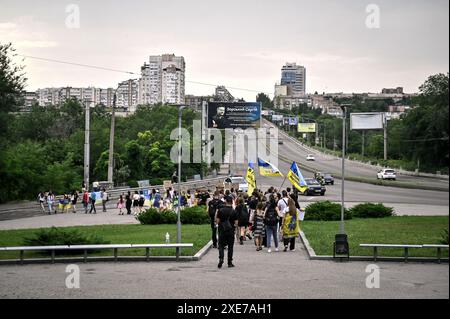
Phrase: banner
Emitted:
{"points": [[224, 115], [250, 178], [277, 118], [268, 169], [306, 127], [296, 178], [293, 121]]}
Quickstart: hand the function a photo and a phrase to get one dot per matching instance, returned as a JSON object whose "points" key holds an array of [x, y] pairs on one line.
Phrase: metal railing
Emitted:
{"points": [[86, 248]]}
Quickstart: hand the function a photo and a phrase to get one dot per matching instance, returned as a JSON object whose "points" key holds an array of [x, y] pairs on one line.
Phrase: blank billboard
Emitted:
{"points": [[366, 121]]}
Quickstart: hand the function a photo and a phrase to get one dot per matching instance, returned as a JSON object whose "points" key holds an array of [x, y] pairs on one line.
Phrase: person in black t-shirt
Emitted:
{"points": [[227, 220]]}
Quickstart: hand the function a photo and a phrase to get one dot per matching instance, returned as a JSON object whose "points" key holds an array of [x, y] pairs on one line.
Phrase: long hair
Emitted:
{"points": [[292, 207]]}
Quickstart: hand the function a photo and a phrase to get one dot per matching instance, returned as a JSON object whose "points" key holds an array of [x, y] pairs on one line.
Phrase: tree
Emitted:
{"points": [[265, 100]]}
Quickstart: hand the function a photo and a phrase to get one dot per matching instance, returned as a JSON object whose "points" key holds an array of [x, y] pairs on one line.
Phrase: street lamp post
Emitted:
{"points": [[180, 113], [111, 139], [344, 116]]}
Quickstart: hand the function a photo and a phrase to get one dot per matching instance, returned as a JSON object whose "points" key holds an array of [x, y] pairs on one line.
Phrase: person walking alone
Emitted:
{"points": [[93, 199], [227, 221], [104, 196], [128, 203], [120, 204]]}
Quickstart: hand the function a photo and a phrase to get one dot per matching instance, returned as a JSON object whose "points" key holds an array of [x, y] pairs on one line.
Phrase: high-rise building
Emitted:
{"points": [[294, 77], [223, 95], [127, 95], [162, 80]]}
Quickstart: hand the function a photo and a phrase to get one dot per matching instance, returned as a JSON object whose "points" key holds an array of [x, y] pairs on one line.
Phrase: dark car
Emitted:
{"points": [[314, 187], [328, 178]]}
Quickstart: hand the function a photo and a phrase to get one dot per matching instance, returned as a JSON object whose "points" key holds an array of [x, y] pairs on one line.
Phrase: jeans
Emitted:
{"points": [[92, 207], [226, 239], [272, 231], [86, 207]]}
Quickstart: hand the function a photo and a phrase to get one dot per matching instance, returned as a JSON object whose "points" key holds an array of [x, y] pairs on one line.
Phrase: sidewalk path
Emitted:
{"points": [[111, 217], [257, 275]]}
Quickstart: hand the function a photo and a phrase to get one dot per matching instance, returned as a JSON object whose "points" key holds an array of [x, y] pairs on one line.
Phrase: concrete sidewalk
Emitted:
{"points": [[111, 217], [257, 275]]}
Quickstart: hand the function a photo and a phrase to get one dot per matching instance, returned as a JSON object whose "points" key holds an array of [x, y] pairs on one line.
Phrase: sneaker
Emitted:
{"points": [[230, 265], [285, 249], [293, 249], [276, 249], [220, 264], [269, 250]]}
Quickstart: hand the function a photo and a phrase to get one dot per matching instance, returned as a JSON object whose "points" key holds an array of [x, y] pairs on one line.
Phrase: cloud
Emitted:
{"points": [[21, 32]]}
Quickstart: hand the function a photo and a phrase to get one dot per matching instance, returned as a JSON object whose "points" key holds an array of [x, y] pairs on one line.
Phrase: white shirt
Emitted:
{"points": [[282, 204], [105, 196]]}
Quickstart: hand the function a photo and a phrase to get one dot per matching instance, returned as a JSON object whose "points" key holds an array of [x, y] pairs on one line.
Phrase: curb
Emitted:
{"points": [[312, 256], [202, 252]]}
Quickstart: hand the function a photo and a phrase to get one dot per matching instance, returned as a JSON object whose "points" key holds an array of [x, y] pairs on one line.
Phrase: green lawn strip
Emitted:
{"points": [[390, 230], [199, 235]]}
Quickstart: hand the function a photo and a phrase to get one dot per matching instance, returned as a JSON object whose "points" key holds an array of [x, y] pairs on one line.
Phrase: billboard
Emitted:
{"points": [[224, 115], [293, 121], [306, 127], [277, 118], [366, 121]]}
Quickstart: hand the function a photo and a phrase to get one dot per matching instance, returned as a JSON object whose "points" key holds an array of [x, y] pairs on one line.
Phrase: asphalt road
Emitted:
{"points": [[258, 275], [295, 151], [354, 191]]}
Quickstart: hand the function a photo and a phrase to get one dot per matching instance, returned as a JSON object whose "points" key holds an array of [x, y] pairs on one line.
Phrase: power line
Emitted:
{"points": [[129, 72]]}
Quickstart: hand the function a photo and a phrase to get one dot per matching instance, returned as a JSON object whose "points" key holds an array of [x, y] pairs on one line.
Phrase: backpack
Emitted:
{"points": [[270, 218], [244, 215], [226, 224], [213, 206]]}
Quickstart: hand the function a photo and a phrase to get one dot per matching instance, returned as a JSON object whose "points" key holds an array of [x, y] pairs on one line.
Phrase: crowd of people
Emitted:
{"points": [[270, 218], [267, 218]]}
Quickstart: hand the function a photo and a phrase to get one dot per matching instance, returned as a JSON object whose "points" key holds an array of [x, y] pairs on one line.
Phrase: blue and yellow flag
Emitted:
{"points": [[296, 178], [250, 178], [268, 169]]}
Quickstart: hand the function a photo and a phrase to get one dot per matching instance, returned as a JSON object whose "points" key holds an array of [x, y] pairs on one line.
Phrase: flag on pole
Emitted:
{"points": [[268, 169], [296, 178], [250, 178]]}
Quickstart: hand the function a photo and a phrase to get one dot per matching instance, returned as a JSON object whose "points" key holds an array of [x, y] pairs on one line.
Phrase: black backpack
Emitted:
{"points": [[270, 218], [213, 206], [243, 215]]}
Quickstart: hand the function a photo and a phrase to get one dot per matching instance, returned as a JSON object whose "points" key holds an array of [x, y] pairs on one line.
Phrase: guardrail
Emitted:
{"points": [[86, 248], [406, 249]]}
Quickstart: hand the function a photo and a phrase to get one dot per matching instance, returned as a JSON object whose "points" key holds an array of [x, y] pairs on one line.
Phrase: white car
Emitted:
{"points": [[238, 180], [310, 157], [386, 174]]}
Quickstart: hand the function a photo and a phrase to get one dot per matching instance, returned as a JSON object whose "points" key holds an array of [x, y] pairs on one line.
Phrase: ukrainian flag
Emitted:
{"points": [[296, 178], [250, 178], [268, 169]]}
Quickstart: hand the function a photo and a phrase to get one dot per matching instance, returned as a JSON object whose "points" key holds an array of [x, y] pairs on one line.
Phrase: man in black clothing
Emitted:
{"points": [[213, 207], [227, 221]]}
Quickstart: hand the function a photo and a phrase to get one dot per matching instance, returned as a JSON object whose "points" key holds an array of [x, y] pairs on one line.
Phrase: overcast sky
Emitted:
{"points": [[238, 43]]}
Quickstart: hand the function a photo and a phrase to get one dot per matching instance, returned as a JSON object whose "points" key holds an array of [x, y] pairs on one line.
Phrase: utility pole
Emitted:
{"points": [[86, 144], [385, 136], [111, 143]]}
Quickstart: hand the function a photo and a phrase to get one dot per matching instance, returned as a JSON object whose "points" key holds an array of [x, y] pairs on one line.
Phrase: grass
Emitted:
{"points": [[199, 235], [389, 230]]}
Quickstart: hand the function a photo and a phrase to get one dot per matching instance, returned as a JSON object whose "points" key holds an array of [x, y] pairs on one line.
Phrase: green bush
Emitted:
{"points": [[371, 210], [325, 210], [150, 217], [57, 236], [195, 215]]}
